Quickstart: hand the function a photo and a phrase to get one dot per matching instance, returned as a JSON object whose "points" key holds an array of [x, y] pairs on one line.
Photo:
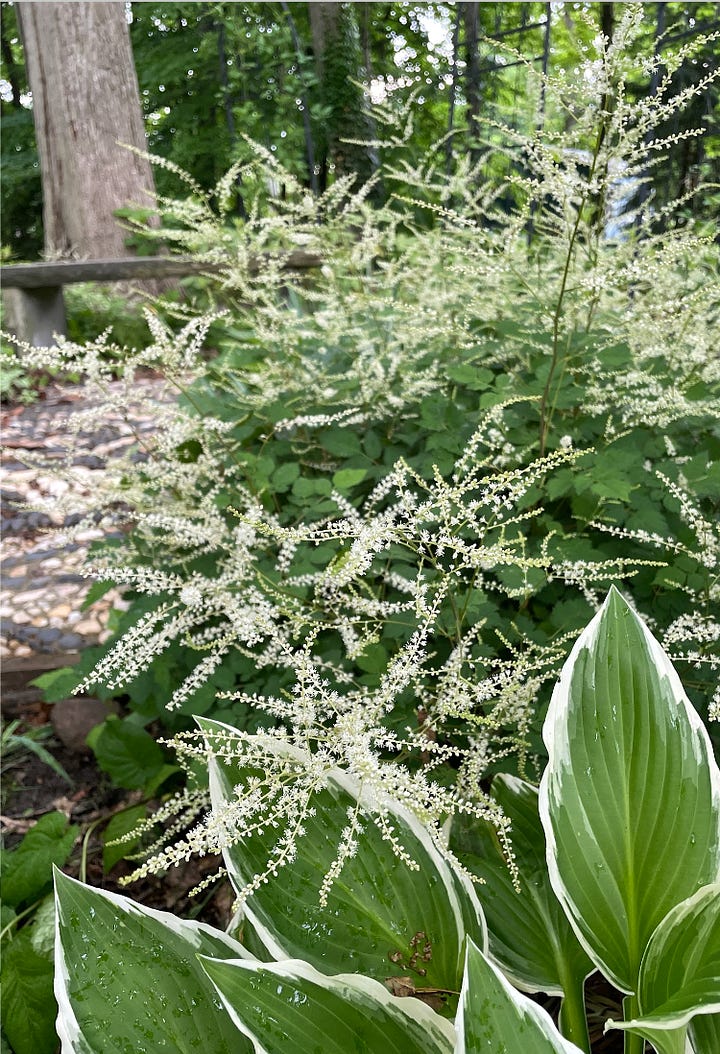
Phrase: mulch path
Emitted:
{"points": [[43, 626]]}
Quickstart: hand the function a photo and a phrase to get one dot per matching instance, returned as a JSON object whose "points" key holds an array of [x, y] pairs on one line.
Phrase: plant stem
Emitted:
{"points": [[557, 314], [633, 1044], [572, 1021]]}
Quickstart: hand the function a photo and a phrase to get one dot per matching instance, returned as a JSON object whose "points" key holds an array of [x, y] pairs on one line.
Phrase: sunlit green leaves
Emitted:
{"points": [[630, 800], [128, 978], [290, 1006]]}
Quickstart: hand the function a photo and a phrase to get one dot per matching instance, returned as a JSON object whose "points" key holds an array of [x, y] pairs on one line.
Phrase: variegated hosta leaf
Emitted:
{"points": [[128, 978], [492, 1016], [704, 1031], [630, 798], [290, 1006], [529, 935], [680, 971], [382, 919]]}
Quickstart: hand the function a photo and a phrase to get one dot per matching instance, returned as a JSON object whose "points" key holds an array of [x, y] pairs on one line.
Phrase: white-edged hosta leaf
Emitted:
{"points": [[680, 971], [382, 918], [630, 798], [529, 935], [493, 1016], [704, 1031], [290, 1006], [127, 978]]}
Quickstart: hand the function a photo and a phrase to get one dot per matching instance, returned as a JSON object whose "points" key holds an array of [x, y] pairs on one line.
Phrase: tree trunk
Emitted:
{"points": [[336, 46], [85, 102]]}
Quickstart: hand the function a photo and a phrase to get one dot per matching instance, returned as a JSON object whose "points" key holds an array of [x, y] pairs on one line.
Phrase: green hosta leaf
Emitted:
{"points": [[382, 918], [680, 972], [529, 935], [630, 799], [289, 1006], [492, 1016], [705, 1033], [28, 1005], [27, 870], [128, 977]]}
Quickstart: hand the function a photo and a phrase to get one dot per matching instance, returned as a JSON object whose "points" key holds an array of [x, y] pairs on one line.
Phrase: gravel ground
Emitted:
{"points": [[43, 590]]}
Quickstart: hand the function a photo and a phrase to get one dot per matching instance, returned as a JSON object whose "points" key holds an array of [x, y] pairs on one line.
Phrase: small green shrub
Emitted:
{"points": [[411, 474]]}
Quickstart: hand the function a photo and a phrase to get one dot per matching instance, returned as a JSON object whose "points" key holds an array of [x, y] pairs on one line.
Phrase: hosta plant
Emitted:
{"points": [[615, 867]]}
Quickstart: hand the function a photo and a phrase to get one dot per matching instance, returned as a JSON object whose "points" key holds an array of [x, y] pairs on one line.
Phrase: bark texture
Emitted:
{"points": [[85, 102], [338, 59]]}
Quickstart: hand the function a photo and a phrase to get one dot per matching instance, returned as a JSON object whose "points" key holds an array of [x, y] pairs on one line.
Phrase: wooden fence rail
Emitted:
{"points": [[38, 308]]}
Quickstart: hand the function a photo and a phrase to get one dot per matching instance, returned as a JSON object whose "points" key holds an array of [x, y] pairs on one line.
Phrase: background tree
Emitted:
{"points": [[85, 102], [336, 45], [213, 74], [21, 214]]}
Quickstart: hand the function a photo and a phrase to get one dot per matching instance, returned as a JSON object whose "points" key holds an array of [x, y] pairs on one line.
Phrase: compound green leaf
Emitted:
{"points": [[529, 935], [630, 799], [492, 1016], [27, 870], [126, 752], [382, 918], [127, 978], [680, 971], [28, 1007], [290, 1006]]}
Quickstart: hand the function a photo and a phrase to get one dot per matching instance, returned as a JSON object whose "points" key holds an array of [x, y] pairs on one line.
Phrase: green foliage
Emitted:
{"points": [[28, 1006], [28, 918], [27, 870], [128, 753], [615, 663]]}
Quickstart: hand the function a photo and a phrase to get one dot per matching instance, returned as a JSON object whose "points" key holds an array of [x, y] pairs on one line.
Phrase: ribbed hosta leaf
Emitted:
{"points": [[382, 918], [680, 971], [529, 935], [290, 1006], [704, 1034], [127, 978], [493, 1017], [630, 799]]}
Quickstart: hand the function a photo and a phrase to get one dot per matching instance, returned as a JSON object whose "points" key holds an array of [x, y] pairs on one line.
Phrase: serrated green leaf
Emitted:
{"points": [[128, 753], [284, 476], [630, 799], [28, 1004], [57, 684], [289, 1006], [27, 870], [127, 977], [492, 1016], [379, 911], [529, 934], [346, 478], [341, 442]]}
